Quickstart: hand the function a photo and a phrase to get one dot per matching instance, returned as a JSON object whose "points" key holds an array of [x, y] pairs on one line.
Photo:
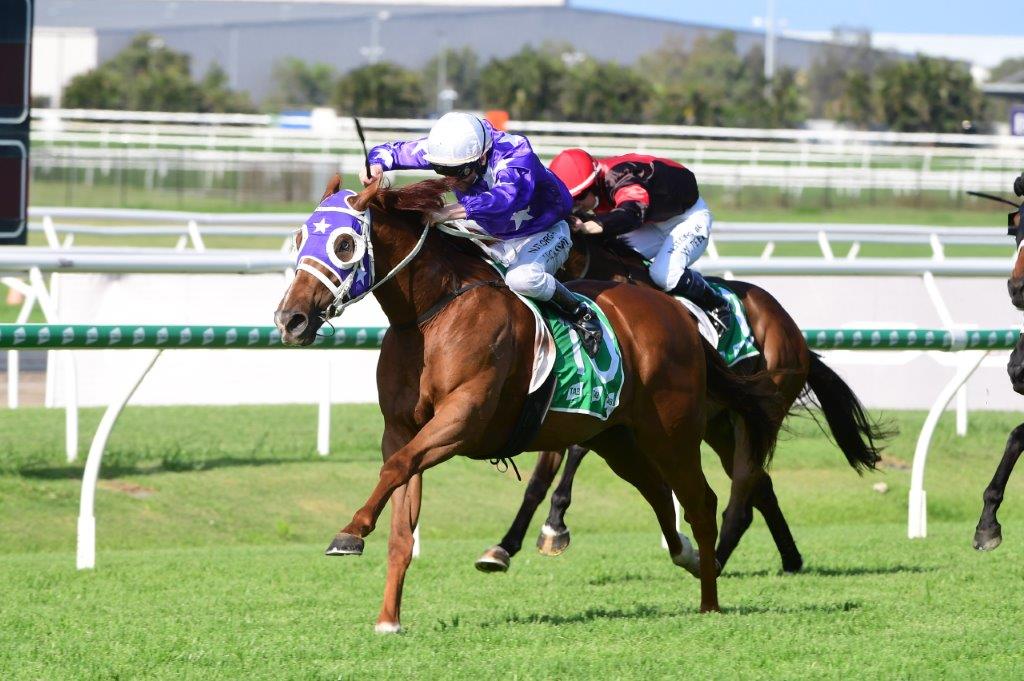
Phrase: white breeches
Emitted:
{"points": [[533, 260], [674, 244]]}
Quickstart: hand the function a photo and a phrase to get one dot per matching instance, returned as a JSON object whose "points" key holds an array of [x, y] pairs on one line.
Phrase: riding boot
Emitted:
{"points": [[694, 287], [580, 316]]}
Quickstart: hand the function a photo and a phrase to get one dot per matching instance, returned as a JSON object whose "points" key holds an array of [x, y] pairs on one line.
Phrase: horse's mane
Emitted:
{"points": [[416, 199], [419, 197]]}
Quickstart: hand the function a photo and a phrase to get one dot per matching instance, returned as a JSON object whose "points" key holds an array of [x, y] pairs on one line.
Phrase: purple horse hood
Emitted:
{"points": [[331, 220]]}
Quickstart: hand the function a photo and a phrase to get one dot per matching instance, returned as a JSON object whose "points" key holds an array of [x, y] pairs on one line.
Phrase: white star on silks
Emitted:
{"points": [[489, 175], [420, 145], [521, 216], [321, 227]]}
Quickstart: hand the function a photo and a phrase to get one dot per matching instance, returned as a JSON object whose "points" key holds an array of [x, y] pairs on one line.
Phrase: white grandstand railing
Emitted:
{"points": [[789, 159], [53, 117], [56, 221]]}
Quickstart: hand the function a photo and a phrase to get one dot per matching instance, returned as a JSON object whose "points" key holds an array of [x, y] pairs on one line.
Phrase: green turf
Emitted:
{"points": [[212, 521]]}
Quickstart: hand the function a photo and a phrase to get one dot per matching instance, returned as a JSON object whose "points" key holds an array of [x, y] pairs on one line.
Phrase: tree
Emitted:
{"points": [[462, 68], [147, 75], [849, 56], [527, 84], [1007, 68], [596, 92], [856, 104], [927, 95], [298, 84], [384, 89], [711, 84]]}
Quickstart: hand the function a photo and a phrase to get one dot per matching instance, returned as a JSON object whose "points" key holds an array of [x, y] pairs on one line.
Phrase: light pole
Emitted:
{"points": [[373, 51]]}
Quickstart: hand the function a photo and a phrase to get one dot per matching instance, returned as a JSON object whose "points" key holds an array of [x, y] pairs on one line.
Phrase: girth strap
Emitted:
{"points": [[443, 302]]}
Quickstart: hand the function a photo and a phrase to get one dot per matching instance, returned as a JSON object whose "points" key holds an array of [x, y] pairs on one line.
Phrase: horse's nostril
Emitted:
{"points": [[296, 323]]}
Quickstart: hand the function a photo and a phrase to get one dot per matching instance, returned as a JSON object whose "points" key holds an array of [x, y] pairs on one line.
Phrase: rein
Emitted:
{"points": [[444, 301]]}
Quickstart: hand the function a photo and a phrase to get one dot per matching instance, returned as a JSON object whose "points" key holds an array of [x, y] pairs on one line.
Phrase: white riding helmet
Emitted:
{"points": [[456, 139]]}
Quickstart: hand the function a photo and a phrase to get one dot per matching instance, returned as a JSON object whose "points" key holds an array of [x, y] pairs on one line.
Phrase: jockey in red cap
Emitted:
{"points": [[653, 205]]}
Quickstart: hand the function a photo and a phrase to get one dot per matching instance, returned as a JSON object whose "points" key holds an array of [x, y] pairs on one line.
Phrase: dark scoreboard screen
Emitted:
{"points": [[15, 69]]}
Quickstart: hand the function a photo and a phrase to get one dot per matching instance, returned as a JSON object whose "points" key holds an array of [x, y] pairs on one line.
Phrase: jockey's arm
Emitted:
{"points": [[512, 191], [400, 155], [631, 204]]}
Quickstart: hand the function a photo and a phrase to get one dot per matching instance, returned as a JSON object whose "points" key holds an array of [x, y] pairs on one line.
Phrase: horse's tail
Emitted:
{"points": [[753, 397], [856, 434]]}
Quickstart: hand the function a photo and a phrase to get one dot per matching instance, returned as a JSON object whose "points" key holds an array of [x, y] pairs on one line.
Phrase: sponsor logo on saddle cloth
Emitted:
{"points": [[583, 384]]}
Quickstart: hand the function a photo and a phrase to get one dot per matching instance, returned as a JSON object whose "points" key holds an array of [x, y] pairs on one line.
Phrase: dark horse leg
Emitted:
{"points": [[989, 534], [554, 535], [498, 557], [752, 488]]}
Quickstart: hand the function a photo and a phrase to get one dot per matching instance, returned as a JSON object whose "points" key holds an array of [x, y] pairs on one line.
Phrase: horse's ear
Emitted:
{"points": [[361, 200], [332, 186]]}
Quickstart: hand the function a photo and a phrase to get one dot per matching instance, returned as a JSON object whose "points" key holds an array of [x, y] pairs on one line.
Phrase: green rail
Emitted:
{"points": [[167, 336], [911, 339], [101, 336]]}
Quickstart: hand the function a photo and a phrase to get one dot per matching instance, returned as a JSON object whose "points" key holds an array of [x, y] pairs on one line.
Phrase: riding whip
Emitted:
{"points": [[362, 140]]}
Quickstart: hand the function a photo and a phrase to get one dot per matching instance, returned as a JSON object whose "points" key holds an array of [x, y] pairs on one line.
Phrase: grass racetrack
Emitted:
{"points": [[212, 522]]}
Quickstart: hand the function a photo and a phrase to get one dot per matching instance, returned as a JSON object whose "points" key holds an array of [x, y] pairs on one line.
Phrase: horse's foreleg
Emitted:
{"points": [[765, 501], [554, 535], [498, 557], [452, 430], [989, 533], [405, 510]]}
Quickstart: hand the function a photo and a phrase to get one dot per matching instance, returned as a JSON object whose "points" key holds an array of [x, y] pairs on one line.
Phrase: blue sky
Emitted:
{"points": [[983, 17]]}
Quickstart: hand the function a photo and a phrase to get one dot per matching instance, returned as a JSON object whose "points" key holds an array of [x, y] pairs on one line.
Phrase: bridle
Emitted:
{"points": [[364, 241]]}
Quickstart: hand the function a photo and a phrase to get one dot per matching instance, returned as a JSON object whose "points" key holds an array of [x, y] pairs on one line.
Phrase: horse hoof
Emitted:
{"points": [[688, 558], [988, 539], [388, 628], [495, 559], [552, 542], [791, 567], [345, 544]]}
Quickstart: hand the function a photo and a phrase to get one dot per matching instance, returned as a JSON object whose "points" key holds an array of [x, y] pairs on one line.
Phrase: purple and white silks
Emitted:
{"points": [[517, 195]]}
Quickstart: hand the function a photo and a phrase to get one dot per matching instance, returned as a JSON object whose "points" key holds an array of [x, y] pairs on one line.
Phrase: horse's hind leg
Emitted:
{"points": [[498, 557], [405, 512], [676, 454], [751, 488], [554, 535], [619, 449], [989, 533]]}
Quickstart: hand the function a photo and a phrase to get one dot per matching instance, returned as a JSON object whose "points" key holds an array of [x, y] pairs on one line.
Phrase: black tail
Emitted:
{"points": [[754, 397], [858, 437]]}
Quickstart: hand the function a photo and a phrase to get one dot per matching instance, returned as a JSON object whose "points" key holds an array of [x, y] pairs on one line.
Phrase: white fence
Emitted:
{"points": [[852, 161], [58, 223]]}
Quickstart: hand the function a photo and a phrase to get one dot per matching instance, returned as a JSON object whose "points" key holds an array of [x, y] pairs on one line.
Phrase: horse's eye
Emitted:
{"points": [[345, 247]]}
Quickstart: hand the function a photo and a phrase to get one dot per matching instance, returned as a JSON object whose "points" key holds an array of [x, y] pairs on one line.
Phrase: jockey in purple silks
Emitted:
{"points": [[518, 206]]}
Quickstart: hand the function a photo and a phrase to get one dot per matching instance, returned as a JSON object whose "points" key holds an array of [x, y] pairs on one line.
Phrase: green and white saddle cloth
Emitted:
{"points": [[738, 342], [583, 384]]}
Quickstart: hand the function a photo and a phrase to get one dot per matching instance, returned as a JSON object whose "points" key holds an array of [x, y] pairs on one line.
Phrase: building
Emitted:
{"points": [[246, 37]]}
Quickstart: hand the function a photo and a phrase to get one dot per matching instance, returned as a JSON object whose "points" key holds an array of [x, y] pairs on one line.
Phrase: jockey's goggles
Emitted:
{"points": [[459, 171]]}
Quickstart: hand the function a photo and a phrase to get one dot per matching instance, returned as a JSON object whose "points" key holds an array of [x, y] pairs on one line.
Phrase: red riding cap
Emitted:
{"points": [[576, 169]]}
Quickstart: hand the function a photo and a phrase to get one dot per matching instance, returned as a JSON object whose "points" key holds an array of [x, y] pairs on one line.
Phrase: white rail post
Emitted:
{"points": [[13, 357], [917, 511], [86, 552], [65, 359], [678, 508], [323, 430]]}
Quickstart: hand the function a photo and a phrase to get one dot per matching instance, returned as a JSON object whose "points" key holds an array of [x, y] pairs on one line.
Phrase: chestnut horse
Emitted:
{"points": [[455, 367], [796, 372], [989, 533]]}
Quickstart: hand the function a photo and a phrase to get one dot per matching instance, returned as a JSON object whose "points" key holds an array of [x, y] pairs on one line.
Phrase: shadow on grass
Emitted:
{"points": [[655, 612], [824, 571], [115, 470]]}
